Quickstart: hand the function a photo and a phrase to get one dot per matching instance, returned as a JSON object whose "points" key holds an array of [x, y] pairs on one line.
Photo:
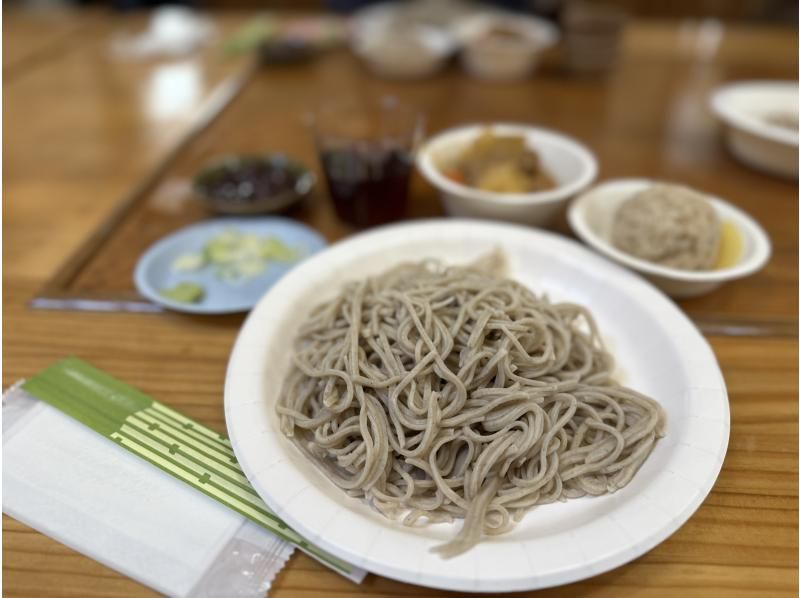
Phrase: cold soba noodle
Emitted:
{"points": [[445, 392]]}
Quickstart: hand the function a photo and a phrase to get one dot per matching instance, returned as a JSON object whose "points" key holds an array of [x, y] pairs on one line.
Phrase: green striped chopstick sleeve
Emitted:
{"points": [[172, 442]]}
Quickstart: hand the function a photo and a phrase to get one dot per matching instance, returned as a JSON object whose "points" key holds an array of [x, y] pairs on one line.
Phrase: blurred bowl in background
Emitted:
{"points": [[571, 164], [406, 40], [438, 14], [504, 47], [761, 125], [404, 52], [253, 184], [591, 217]]}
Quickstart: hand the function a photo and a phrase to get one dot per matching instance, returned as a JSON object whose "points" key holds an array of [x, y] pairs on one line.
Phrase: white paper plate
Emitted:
{"points": [[658, 351]]}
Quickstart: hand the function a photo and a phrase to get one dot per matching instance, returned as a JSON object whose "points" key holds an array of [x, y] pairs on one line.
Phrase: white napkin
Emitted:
{"points": [[68, 482]]}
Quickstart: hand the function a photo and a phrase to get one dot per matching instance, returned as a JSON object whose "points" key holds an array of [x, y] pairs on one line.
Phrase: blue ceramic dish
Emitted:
{"points": [[155, 271]]}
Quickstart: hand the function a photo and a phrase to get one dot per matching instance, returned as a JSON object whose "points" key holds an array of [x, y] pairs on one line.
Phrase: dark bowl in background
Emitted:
{"points": [[254, 184]]}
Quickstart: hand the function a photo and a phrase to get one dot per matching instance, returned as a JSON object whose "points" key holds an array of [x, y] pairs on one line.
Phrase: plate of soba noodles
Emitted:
{"points": [[475, 406]]}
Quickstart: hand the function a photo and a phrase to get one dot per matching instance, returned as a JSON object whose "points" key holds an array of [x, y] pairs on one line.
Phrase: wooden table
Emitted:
{"points": [[79, 137]]}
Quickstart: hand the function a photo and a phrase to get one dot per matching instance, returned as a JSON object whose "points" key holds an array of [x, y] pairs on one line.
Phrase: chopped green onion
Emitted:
{"points": [[237, 256], [184, 292]]}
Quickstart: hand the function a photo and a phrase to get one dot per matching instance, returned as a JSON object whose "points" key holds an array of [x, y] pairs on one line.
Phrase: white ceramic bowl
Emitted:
{"points": [[572, 165], [416, 52], [499, 59], [592, 214], [742, 107]]}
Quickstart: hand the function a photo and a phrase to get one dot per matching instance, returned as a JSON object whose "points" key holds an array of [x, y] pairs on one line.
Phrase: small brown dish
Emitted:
{"points": [[253, 184]]}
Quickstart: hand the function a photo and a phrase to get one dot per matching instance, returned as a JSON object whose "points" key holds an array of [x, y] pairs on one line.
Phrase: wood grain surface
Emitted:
{"points": [[30, 39], [649, 119], [83, 126], [68, 161]]}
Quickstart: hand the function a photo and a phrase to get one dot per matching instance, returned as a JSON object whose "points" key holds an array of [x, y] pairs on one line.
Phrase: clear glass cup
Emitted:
{"points": [[367, 153]]}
